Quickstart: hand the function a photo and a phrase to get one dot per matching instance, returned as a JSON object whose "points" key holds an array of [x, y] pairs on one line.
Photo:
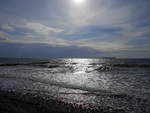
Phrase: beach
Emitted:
{"points": [[75, 86]]}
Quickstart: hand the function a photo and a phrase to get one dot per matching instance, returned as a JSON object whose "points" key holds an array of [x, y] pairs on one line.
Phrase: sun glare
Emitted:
{"points": [[78, 1]]}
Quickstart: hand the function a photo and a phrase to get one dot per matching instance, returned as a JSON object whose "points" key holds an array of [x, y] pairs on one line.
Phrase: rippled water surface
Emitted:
{"points": [[118, 84]]}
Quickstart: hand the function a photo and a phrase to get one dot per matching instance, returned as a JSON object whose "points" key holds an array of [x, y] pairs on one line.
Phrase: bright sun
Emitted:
{"points": [[78, 1]]}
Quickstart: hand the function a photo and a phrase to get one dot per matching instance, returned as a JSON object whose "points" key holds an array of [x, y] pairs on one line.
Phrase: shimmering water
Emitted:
{"points": [[96, 83]]}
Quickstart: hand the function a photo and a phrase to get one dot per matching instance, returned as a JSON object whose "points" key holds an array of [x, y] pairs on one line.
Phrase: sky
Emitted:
{"points": [[75, 28]]}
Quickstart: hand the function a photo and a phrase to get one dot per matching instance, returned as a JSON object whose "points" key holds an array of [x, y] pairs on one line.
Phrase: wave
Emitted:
{"points": [[104, 95], [89, 90], [132, 65], [56, 65]]}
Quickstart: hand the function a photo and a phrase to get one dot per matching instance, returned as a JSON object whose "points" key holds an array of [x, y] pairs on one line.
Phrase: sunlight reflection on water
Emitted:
{"points": [[85, 78], [84, 74]]}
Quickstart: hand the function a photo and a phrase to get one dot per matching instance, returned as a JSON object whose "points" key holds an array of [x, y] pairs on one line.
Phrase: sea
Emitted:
{"points": [[104, 84]]}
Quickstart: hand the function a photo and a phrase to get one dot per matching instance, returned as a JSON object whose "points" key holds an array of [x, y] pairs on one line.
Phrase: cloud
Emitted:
{"points": [[99, 12], [102, 25], [29, 32], [138, 32], [8, 28], [106, 39], [104, 45], [111, 13], [88, 32], [41, 28], [4, 36], [26, 50]]}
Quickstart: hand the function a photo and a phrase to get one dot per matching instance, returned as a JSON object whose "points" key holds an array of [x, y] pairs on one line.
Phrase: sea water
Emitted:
{"points": [[103, 83]]}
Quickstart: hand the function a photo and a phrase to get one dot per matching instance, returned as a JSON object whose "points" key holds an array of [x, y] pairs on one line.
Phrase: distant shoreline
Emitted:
{"points": [[21, 58]]}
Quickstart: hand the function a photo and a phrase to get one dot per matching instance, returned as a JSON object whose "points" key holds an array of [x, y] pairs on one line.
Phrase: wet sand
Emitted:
{"points": [[14, 102]]}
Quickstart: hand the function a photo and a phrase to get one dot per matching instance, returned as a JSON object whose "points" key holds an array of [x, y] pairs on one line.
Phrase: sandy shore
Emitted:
{"points": [[14, 102]]}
